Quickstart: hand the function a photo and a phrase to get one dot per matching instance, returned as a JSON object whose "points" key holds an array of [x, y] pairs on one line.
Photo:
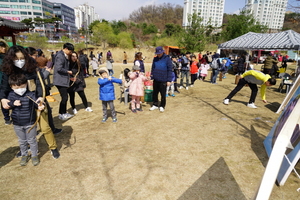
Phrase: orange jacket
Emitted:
{"points": [[194, 68]]}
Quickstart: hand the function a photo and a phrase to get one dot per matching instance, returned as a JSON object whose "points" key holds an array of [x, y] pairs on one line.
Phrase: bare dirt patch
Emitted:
{"points": [[197, 149]]}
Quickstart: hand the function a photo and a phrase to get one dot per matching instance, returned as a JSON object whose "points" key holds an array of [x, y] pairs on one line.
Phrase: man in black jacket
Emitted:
{"points": [[61, 78]]}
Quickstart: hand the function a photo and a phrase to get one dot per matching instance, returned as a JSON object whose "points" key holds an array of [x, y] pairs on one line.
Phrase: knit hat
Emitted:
{"points": [[102, 70]]}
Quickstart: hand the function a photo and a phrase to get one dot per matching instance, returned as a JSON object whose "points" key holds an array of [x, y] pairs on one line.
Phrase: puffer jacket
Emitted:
{"points": [[25, 114], [107, 90]]}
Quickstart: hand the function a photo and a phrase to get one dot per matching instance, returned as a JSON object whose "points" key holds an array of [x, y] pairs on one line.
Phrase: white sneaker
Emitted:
{"points": [[74, 111], [251, 105], [88, 109], [65, 116], [187, 88], [191, 85], [226, 101], [180, 87], [161, 109], [153, 108]]}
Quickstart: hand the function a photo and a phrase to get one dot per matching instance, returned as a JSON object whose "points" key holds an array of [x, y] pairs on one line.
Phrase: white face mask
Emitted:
{"points": [[19, 63], [20, 91]]}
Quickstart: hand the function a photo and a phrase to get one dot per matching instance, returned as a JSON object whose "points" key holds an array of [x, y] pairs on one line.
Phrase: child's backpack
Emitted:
{"points": [[214, 64]]}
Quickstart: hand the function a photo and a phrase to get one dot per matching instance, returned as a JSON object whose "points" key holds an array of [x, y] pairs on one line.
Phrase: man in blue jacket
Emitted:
{"points": [[161, 73]]}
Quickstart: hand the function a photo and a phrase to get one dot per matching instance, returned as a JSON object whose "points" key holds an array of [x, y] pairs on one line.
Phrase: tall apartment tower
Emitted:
{"points": [[85, 15], [268, 12], [209, 10]]}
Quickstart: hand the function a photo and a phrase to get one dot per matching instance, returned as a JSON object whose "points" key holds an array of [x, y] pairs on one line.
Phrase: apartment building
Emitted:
{"points": [[209, 10], [268, 12], [85, 15], [17, 10]]}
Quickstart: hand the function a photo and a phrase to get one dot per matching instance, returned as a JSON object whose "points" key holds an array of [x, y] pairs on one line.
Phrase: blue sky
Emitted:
{"points": [[120, 9]]}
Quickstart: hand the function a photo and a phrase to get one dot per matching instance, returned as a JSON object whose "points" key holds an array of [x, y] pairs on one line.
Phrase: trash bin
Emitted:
{"points": [[148, 95]]}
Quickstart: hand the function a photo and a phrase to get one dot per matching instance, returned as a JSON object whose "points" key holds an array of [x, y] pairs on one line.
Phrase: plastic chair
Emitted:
{"points": [[126, 95]]}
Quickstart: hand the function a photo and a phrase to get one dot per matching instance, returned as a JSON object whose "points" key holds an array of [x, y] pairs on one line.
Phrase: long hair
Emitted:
{"points": [[138, 56], [8, 66], [77, 61]]}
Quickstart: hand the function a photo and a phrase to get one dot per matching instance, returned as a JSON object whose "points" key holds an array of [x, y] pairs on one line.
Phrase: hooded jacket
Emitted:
{"points": [[259, 78]]}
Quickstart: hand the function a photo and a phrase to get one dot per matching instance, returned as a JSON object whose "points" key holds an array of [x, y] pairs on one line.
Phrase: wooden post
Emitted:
{"points": [[220, 76]]}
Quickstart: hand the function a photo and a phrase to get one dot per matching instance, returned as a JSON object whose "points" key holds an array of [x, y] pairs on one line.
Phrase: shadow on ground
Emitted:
{"points": [[216, 183]]}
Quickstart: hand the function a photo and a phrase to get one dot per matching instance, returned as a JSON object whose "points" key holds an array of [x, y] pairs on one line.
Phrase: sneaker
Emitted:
{"points": [[139, 109], [24, 160], [115, 120], [251, 105], [153, 108], [55, 153], [65, 116], [133, 110], [18, 155], [8, 122], [177, 91], [226, 101], [191, 85], [180, 87], [167, 95], [57, 131], [75, 111], [35, 160], [161, 109], [187, 88], [224, 76], [88, 109], [104, 120], [172, 95]]}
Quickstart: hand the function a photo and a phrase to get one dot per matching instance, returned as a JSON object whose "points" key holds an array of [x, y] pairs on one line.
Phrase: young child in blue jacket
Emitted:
{"points": [[24, 116], [107, 93]]}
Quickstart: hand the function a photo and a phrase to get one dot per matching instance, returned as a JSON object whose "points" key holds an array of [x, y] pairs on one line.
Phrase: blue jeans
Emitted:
{"points": [[185, 73], [214, 76]]}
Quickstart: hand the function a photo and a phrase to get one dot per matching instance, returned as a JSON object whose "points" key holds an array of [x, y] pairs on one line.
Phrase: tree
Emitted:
{"points": [[125, 40], [29, 23], [172, 29], [193, 37], [102, 33], [118, 26], [241, 24]]}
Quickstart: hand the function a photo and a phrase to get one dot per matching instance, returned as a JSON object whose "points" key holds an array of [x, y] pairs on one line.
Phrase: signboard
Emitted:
{"points": [[282, 144]]}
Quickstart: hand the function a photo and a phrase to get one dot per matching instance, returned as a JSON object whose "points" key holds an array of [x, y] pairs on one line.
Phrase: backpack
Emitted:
{"points": [[215, 64]]}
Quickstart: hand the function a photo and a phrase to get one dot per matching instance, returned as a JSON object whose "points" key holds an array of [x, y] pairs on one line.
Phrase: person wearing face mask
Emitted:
{"points": [[33, 53], [61, 78], [24, 116], [17, 61], [3, 49]]}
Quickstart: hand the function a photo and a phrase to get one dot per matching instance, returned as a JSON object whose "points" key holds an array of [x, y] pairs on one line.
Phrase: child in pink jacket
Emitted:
{"points": [[136, 89]]}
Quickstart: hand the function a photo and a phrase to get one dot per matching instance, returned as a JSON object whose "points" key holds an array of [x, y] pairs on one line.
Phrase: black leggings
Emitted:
{"points": [[63, 91], [82, 96], [242, 82]]}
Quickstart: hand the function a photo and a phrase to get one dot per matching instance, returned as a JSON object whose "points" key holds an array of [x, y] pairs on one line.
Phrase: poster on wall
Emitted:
{"points": [[282, 146]]}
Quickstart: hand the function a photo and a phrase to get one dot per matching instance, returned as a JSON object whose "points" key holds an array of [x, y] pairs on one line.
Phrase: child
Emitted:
{"points": [[136, 89], [171, 87], [194, 70], [204, 68], [95, 64], [24, 116], [107, 93]]}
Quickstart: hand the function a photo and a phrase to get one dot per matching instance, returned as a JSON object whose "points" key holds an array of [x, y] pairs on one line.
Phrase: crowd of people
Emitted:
{"points": [[25, 82]]}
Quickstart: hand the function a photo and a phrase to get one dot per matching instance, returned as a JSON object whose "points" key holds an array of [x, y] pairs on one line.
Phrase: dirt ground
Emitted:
{"points": [[197, 149]]}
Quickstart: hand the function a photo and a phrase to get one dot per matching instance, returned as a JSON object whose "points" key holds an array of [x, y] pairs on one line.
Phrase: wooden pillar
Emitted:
{"points": [[13, 39]]}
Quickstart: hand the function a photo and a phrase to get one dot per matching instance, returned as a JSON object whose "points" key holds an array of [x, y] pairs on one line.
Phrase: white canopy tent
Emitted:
{"points": [[286, 40]]}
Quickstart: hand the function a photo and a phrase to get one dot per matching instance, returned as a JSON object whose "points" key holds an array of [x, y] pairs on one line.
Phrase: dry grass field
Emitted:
{"points": [[197, 149]]}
